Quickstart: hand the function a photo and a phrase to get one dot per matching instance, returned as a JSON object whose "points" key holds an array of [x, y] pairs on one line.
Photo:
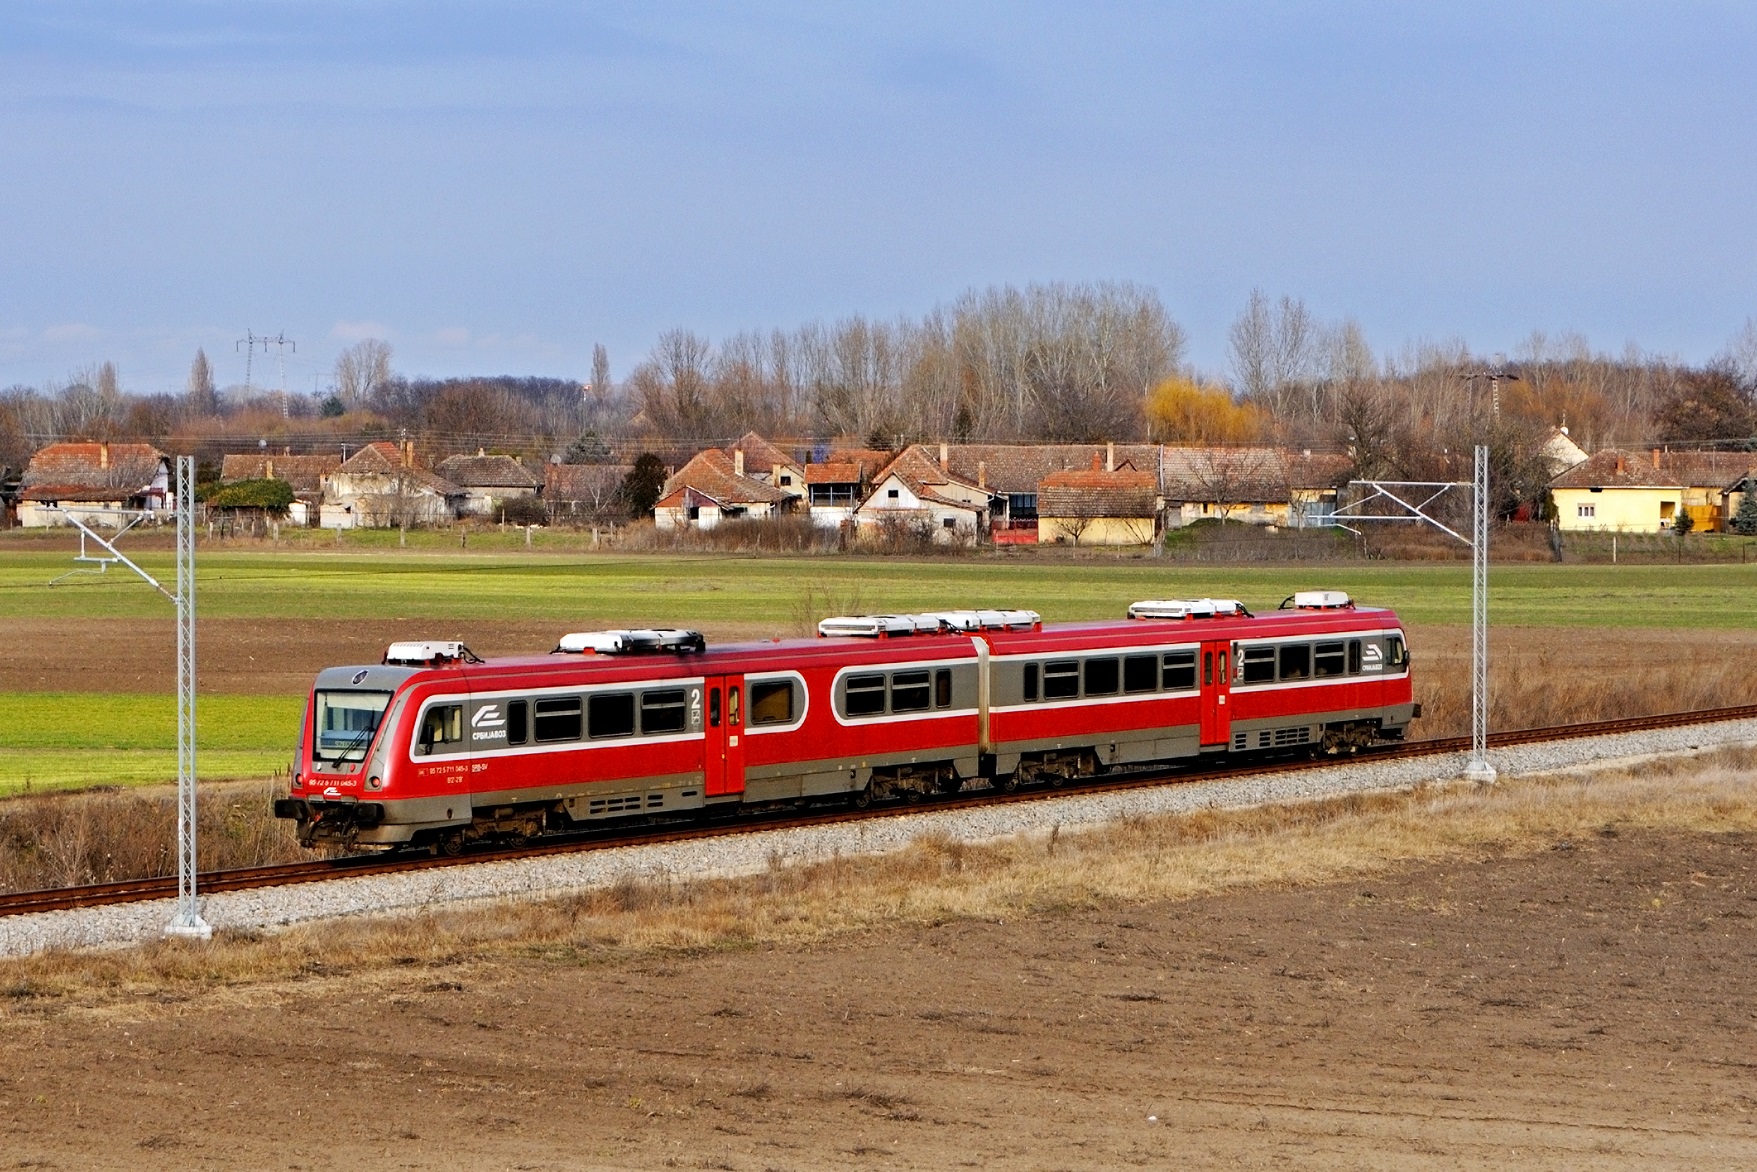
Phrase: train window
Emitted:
{"points": [[1354, 657], [1296, 661], [610, 714], [865, 696], [713, 708], [518, 722], [1101, 677], [771, 702], [733, 694], [1061, 679], [1257, 665], [1140, 673], [662, 712], [1030, 681], [1207, 668], [558, 719], [1180, 670], [345, 724], [909, 691], [1329, 659], [443, 725], [942, 688], [1395, 653]]}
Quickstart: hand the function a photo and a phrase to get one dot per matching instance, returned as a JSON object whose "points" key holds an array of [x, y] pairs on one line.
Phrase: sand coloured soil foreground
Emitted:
{"points": [[1590, 1005]]}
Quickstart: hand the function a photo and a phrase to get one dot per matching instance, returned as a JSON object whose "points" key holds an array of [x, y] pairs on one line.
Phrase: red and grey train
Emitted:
{"points": [[436, 747]]}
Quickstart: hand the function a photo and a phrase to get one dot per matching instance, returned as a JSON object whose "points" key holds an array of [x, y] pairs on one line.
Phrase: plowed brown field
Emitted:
{"points": [[1589, 1006]]}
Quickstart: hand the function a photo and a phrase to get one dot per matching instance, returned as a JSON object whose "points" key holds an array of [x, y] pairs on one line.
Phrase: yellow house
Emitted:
{"points": [[1643, 492], [1095, 506]]}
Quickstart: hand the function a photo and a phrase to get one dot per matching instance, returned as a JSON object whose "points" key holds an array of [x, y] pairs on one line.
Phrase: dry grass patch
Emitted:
{"points": [[936, 880]]}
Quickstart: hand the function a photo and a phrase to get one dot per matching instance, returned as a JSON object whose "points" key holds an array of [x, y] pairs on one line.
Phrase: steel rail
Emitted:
{"points": [[349, 866]]}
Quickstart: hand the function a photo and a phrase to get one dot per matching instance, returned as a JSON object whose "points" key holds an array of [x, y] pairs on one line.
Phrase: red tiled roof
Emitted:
{"points": [[93, 465], [1248, 474], [304, 473], [710, 472], [486, 472], [1618, 469], [1018, 468], [1093, 492], [760, 455], [837, 473]]}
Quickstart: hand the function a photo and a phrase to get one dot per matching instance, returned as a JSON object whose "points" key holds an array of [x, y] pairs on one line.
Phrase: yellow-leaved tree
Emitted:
{"points": [[1181, 410]]}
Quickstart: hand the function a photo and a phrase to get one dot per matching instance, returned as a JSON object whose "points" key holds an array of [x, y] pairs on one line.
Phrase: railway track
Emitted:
{"points": [[246, 878]]}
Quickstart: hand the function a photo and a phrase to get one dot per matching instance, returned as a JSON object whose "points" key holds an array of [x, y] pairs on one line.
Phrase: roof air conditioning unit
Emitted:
{"points": [[625, 642], [427, 653], [1320, 600], [1187, 608]]}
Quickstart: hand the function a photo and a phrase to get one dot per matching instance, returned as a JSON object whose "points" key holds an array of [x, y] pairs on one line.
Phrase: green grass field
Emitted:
{"points": [[57, 740], [77, 739], [705, 589]]}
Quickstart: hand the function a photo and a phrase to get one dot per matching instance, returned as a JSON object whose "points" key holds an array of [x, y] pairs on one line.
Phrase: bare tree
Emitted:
{"points": [[1741, 352], [361, 370], [1274, 349]]}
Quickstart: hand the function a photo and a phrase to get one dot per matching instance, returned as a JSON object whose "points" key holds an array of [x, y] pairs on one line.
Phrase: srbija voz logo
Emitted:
{"points": [[489, 723]]}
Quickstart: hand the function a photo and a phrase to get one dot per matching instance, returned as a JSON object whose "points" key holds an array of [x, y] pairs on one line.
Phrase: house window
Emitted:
{"points": [[786, 481], [890, 494], [951, 522], [1586, 510], [1022, 506]]}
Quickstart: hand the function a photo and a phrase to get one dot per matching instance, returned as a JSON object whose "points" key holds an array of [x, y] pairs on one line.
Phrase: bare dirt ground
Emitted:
{"points": [[249, 657], [1591, 1005]]}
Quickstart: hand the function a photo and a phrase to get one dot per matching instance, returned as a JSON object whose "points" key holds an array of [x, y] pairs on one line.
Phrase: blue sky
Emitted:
{"points": [[495, 187]]}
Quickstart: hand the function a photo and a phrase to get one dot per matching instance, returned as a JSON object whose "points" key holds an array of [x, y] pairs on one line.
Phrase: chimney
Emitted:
{"points": [[945, 455], [1656, 459], [104, 454], [1619, 463], [738, 461], [408, 453], [268, 470], [982, 474], [1096, 462], [481, 451], [1110, 457]]}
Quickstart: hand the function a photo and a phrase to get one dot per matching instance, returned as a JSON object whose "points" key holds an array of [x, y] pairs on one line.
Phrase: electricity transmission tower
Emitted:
{"points": [[250, 341]]}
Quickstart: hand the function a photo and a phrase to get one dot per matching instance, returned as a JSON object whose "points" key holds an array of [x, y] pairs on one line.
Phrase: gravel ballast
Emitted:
{"points": [[757, 850]]}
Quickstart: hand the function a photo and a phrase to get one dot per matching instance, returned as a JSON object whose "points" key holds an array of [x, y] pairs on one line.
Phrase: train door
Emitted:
{"points": [[724, 742], [1216, 669]]}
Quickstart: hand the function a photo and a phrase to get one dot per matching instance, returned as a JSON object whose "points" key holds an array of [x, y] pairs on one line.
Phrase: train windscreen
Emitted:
{"points": [[345, 724]]}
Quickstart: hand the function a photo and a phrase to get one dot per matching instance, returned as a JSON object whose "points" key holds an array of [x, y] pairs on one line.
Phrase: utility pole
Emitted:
{"points": [[250, 341], [1415, 507], [187, 921]]}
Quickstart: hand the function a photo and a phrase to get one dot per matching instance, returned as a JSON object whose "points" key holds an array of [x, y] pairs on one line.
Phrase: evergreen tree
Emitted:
{"points": [[1745, 520], [642, 486]]}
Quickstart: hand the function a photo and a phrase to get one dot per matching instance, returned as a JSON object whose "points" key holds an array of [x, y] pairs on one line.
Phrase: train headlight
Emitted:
{"points": [[375, 783]]}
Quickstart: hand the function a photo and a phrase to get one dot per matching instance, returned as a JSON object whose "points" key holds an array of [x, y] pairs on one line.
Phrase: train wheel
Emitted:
{"points": [[863, 797], [1006, 783], [452, 845]]}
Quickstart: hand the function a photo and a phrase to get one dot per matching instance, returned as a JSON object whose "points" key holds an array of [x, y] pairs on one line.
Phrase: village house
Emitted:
{"points": [[101, 483], [915, 491], [837, 484], [765, 462], [1256, 485], [1098, 506], [712, 488], [382, 485], [1013, 474], [488, 482], [303, 474], [1644, 492]]}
